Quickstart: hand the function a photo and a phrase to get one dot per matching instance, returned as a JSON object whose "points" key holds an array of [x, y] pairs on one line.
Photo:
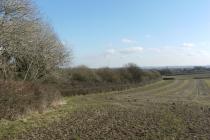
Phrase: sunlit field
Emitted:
{"points": [[104, 70], [167, 109]]}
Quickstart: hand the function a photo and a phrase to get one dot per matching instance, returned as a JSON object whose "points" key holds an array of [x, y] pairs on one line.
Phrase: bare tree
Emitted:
{"points": [[29, 48]]}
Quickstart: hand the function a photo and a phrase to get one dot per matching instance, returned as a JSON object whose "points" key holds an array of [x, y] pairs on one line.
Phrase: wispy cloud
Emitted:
{"points": [[158, 50], [171, 55], [204, 43], [188, 45], [110, 51], [128, 41], [125, 51], [131, 50]]}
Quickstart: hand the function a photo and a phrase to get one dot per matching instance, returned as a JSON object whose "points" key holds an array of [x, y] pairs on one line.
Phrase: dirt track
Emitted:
{"points": [[171, 110]]}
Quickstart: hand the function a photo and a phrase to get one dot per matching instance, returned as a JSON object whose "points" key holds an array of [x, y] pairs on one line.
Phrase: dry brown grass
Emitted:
{"points": [[151, 122], [166, 110], [20, 98], [85, 88]]}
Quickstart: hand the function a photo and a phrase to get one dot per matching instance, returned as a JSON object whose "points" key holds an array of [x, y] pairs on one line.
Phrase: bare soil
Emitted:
{"points": [[165, 110]]}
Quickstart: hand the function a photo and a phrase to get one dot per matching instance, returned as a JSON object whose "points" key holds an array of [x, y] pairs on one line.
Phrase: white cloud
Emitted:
{"points": [[187, 54], [158, 50], [188, 45], [123, 51], [110, 51], [204, 44], [131, 50], [128, 41]]}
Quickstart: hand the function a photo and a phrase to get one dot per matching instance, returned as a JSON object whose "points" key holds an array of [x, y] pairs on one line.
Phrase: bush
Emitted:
{"points": [[108, 75], [20, 98], [83, 80], [135, 72], [151, 75], [84, 74]]}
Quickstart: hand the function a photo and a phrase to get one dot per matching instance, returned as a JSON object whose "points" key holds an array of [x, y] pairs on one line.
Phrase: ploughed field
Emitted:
{"points": [[166, 110]]}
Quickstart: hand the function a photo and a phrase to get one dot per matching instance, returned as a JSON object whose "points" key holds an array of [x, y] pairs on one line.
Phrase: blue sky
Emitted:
{"points": [[146, 32]]}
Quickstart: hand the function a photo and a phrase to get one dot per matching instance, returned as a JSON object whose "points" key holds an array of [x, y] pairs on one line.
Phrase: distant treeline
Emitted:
{"points": [[184, 71]]}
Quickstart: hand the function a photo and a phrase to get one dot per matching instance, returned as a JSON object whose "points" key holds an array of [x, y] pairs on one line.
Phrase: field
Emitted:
{"points": [[165, 110], [190, 76]]}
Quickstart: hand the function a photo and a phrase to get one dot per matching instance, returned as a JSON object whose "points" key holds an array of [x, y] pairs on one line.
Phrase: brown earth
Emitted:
{"points": [[166, 110]]}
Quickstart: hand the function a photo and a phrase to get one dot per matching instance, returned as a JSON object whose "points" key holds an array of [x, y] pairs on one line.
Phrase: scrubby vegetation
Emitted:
{"points": [[83, 80], [130, 73], [140, 106], [29, 51], [30, 58], [20, 98]]}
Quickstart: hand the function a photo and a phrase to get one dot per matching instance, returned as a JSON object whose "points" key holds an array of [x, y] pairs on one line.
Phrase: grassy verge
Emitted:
{"points": [[9, 129]]}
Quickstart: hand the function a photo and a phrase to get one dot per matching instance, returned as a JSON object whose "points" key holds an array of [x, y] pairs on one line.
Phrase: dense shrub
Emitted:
{"points": [[135, 72], [125, 76], [151, 75], [108, 75], [19, 98], [83, 80], [84, 74]]}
